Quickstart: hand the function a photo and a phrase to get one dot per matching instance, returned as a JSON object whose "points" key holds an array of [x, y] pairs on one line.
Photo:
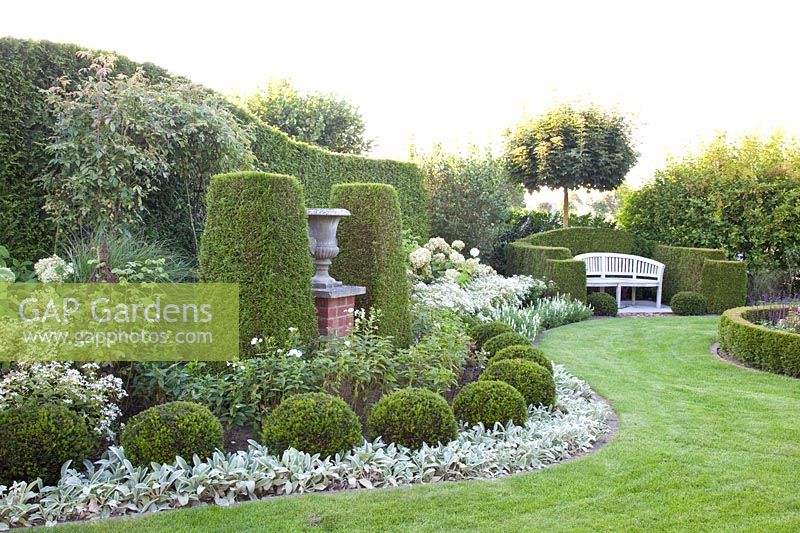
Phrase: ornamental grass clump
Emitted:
{"points": [[526, 352], [532, 380], [498, 342], [488, 402], [483, 332], [315, 423], [37, 440], [411, 417], [165, 431]]}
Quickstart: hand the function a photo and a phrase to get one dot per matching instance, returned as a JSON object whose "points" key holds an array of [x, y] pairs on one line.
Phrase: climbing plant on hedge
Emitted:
{"points": [[257, 235], [371, 253]]}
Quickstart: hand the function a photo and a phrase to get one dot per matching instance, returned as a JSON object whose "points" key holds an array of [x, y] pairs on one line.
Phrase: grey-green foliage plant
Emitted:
{"points": [[470, 195], [325, 120], [569, 148], [124, 147]]}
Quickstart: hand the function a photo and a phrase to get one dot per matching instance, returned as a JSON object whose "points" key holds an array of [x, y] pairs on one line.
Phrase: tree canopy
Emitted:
{"points": [[325, 120], [570, 148]]}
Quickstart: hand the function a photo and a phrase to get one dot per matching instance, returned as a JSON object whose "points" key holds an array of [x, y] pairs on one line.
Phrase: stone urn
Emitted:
{"points": [[322, 225]]}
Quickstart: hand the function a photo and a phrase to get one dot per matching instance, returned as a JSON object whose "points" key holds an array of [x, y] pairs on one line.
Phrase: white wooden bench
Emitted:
{"points": [[622, 270]]}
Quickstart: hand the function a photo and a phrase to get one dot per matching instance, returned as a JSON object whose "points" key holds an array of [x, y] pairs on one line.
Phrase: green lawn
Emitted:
{"points": [[702, 445]]}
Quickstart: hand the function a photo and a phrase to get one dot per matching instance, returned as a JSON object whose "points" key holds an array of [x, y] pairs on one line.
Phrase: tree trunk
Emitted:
{"points": [[565, 210]]}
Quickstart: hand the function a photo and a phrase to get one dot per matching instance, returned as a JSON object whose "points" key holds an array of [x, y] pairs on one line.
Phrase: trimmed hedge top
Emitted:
{"points": [[581, 240], [257, 235], [764, 348]]}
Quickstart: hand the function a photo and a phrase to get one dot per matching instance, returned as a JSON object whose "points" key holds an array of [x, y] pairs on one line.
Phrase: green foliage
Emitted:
{"points": [[742, 197], [470, 195], [683, 267], [119, 139], [199, 142], [765, 348], [411, 417], [38, 439], [532, 380], [603, 303], [324, 120], [581, 240], [160, 433], [569, 275], [371, 255], [571, 148], [484, 331], [498, 342], [257, 235], [688, 303], [527, 259], [724, 284], [487, 402], [526, 352], [134, 258], [315, 423]]}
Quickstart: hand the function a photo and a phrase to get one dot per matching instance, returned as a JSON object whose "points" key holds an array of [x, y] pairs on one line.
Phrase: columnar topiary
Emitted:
{"points": [[314, 422], [488, 402], [412, 416], [603, 304], [481, 333], [37, 440], [526, 352], [498, 342], [257, 235], [160, 433], [689, 303], [533, 381], [371, 253]]}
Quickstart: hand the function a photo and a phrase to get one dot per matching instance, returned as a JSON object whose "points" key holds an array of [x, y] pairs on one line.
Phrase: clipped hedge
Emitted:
{"points": [[603, 304], [314, 422], [484, 331], [411, 417], [37, 440], [683, 267], [504, 340], [764, 348], [25, 125], [569, 275], [371, 253], [580, 240], [526, 352], [532, 380], [689, 303], [724, 284], [487, 402], [164, 431], [257, 235], [526, 259]]}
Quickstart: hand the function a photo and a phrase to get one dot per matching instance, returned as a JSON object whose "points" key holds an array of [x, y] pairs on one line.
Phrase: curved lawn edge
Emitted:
{"points": [[701, 445], [764, 348]]}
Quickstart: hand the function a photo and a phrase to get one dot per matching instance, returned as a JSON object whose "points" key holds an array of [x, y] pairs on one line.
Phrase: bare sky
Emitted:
{"points": [[465, 71]]}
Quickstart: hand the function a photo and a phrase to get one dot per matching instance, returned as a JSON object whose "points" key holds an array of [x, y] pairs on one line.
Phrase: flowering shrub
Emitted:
{"points": [[82, 390], [478, 294], [113, 487], [546, 313], [52, 269], [437, 259]]}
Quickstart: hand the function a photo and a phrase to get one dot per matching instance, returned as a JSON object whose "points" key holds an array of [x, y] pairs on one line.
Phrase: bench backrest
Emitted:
{"points": [[609, 265]]}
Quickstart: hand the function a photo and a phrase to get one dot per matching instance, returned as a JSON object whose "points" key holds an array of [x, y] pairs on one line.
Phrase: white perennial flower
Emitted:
{"points": [[474, 252], [457, 245], [52, 269]]}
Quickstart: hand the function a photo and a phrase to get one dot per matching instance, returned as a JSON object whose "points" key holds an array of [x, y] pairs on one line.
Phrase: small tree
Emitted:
{"points": [[571, 148]]}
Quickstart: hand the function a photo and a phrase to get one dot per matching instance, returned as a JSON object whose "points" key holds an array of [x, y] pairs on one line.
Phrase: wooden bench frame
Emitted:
{"points": [[621, 270]]}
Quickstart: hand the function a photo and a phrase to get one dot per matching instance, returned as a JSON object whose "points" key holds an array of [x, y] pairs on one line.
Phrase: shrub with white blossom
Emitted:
{"points": [[82, 389], [437, 259], [52, 269], [477, 294]]}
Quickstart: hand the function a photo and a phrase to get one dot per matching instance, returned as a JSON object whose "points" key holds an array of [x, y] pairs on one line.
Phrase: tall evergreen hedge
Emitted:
{"points": [[372, 253], [257, 235], [25, 125]]}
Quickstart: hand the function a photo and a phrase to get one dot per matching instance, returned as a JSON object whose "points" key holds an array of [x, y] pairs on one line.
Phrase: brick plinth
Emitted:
{"points": [[335, 309]]}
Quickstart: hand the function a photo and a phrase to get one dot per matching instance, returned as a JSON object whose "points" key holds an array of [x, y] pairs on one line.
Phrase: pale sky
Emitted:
{"points": [[464, 71]]}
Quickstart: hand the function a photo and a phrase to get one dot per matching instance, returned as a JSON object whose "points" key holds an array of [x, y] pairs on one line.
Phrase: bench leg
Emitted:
{"points": [[658, 298], [633, 295], [619, 295]]}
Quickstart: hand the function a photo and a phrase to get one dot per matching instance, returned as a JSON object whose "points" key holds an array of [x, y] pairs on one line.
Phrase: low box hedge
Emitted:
{"points": [[762, 347]]}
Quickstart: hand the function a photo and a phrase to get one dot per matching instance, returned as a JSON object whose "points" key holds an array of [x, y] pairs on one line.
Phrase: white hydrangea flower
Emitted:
{"points": [[52, 269], [451, 273], [439, 258], [457, 245], [420, 258], [474, 252], [456, 258], [437, 244], [294, 352]]}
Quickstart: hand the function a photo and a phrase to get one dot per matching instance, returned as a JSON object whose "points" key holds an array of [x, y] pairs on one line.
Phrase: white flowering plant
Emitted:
{"points": [[82, 389], [437, 259], [53, 269]]}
